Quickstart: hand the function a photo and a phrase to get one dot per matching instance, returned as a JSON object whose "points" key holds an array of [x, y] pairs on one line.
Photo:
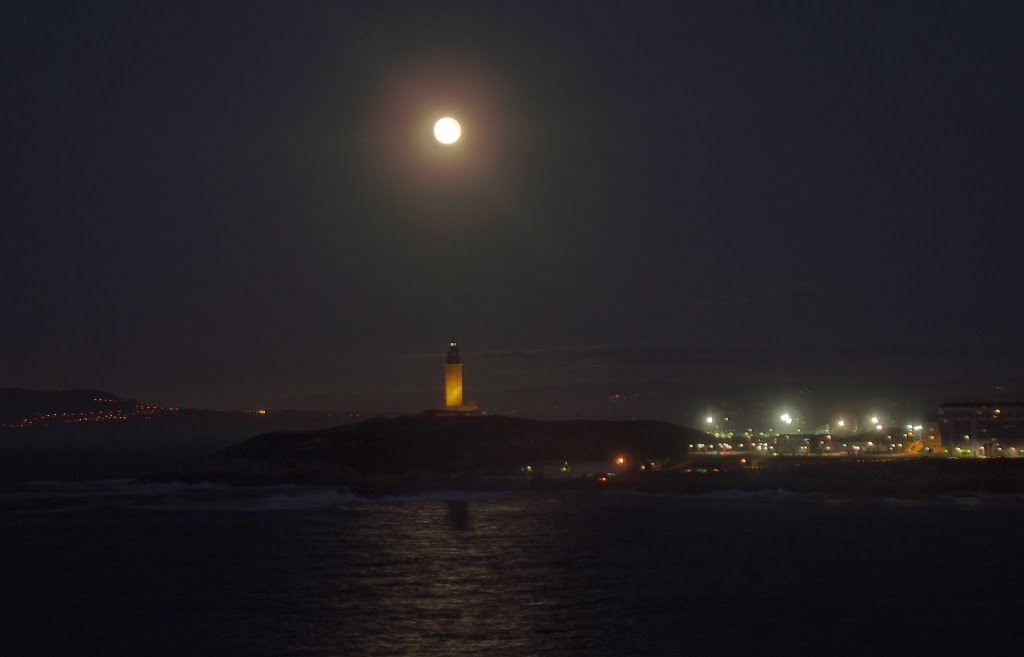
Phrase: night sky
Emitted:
{"points": [[228, 204]]}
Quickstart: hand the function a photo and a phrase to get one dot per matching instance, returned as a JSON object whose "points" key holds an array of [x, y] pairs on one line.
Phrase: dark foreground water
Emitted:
{"points": [[111, 568]]}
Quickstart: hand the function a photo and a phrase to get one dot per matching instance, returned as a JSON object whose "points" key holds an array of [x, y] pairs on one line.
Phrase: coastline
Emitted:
{"points": [[906, 477]]}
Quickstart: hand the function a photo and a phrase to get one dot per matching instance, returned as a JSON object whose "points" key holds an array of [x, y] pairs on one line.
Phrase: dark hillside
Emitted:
{"points": [[485, 444]]}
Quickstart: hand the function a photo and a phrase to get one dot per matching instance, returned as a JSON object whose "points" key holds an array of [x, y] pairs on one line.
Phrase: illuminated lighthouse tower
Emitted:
{"points": [[453, 377]]}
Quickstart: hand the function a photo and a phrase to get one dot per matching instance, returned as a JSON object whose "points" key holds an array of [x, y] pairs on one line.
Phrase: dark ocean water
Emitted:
{"points": [[112, 568]]}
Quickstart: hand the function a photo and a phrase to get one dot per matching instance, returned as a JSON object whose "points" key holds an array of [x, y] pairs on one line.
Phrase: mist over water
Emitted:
{"points": [[115, 568]]}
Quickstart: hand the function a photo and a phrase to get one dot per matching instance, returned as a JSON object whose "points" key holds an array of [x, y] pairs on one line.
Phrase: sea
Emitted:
{"points": [[114, 567]]}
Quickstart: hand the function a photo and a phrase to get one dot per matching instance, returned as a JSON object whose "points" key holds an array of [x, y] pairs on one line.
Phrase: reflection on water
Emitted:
{"points": [[458, 514], [315, 572]]}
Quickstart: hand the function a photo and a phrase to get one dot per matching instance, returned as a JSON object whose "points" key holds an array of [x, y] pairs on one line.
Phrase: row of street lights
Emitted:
{"points": [[787, 419]]}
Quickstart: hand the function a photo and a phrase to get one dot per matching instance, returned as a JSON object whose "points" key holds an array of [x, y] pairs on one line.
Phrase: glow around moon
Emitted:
{"points": [[447, 130]]}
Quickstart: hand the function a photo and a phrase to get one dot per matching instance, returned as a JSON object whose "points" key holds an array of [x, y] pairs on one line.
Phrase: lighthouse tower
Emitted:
{"points": [[453, 377]]}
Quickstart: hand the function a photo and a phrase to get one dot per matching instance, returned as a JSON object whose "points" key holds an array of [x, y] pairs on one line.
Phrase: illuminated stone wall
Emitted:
{"points": [[453, 384]]}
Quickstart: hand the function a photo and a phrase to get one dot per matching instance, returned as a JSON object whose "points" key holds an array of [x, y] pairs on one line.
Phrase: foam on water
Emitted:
{"points": [[292, 501]]}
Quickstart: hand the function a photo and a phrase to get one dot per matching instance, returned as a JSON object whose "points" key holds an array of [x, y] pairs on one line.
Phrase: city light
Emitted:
{"points": [[709, 419], [786, 418], [447, 130], [620, 460], [874, 419], [841, 423], [122, 413]]}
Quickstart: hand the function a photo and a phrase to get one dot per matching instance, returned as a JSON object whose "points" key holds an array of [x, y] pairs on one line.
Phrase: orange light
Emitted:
{"points": [[621, 460]]}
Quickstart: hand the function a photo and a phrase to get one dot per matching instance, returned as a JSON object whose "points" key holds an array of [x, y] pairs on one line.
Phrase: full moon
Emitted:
{"points": [[447, 130]]}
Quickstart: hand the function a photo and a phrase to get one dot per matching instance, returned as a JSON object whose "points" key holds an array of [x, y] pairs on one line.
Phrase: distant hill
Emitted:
{"points": [[30, 411], [92, 433], [23, 408]]}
